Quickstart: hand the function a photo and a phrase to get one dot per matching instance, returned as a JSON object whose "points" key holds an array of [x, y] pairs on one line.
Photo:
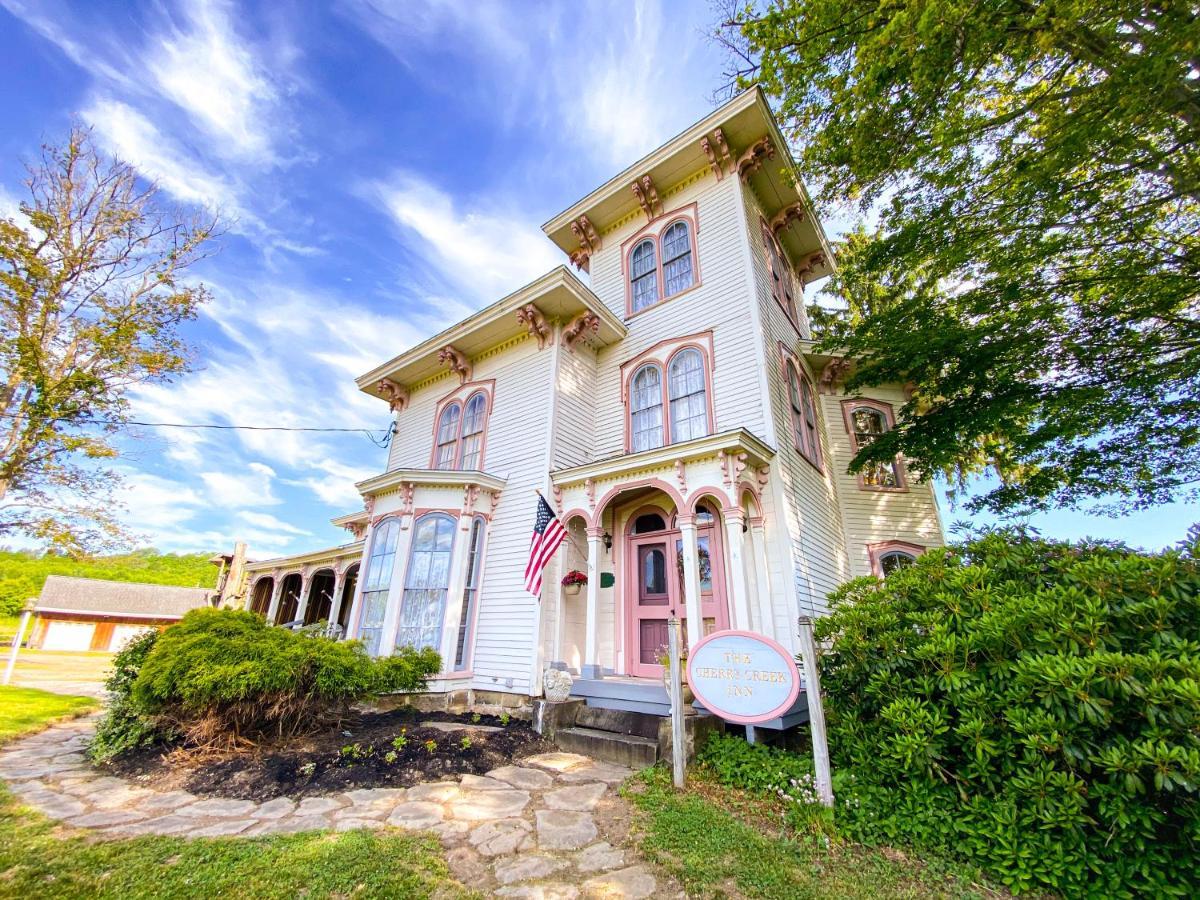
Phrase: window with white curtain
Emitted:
{"points": [[643, 275], [676, 259], [377, 582], [470, 593], [689, 400], [426, 582], [447, 437], [473, 419], [646, 409]]}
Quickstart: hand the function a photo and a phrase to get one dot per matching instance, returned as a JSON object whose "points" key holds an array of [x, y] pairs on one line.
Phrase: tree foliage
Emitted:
{"points": [[92, 293], [1032, 705], [1034, 276], [22, 573]]}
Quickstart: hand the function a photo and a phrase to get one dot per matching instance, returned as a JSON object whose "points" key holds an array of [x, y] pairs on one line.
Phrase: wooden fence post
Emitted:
{"points": [[816, 711], [678, 751]]}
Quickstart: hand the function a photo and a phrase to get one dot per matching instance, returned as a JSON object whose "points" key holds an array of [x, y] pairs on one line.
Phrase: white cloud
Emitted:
{"points": [[266, 520], [251, 487], [218, 80], [491, 251], [126, 133]]}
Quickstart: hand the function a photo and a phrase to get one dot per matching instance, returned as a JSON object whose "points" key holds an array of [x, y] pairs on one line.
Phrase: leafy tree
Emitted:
{"points": [[1036, 170], [92, 292]]}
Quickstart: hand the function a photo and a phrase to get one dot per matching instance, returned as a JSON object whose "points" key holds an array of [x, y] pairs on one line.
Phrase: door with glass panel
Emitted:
{"points": [[423, 607], [655, 599], [714, 607]]}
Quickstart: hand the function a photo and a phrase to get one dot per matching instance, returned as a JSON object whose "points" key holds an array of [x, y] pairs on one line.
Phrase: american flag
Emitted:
{"points": [[548, 533]]}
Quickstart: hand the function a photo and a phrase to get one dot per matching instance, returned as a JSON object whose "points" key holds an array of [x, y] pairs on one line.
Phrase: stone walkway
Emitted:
{"points": [[549, 827]]}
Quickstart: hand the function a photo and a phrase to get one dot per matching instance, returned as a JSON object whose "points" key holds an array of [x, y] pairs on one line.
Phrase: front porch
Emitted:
{"points": [[679, 531]]}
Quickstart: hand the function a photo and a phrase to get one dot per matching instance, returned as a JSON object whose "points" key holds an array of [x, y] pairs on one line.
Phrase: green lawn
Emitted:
{"points": [[26, 709], [39, 858], [719, 843]]}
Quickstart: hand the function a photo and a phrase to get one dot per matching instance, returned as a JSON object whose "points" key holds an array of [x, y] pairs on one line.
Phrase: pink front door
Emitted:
{"points": [[655, 597]]}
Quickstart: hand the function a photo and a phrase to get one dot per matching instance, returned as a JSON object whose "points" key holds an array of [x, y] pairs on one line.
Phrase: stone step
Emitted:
{"points": [[630, 750], [620, 721]]}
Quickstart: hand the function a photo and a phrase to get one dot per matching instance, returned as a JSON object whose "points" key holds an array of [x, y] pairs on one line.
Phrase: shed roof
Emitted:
{"points": [[62, 593]]}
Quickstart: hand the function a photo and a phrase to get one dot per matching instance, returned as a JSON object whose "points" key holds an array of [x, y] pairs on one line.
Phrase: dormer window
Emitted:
{"points": [[660, 260], [461, 427], [669, 394]]}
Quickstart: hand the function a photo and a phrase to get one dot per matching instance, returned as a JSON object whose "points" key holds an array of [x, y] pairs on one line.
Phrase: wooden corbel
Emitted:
{"points": [[717, 151], [470, 496], [681, 476], [754, 156], [835, 371], [394, 393], [579, 327], [457, 361], [535, 323], [786, 216], [811, 262], [589, 243], [647, 197]]}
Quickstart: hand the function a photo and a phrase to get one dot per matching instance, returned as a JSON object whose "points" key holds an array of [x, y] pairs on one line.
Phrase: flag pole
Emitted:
{"points": [[578, 549]]}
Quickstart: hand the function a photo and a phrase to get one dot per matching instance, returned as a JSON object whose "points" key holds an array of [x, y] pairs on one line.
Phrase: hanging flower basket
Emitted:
{"points": [[572, 582]]}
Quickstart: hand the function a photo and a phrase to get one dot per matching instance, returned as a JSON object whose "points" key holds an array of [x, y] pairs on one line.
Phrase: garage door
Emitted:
{"points": [[123, 634], [68, 636]]}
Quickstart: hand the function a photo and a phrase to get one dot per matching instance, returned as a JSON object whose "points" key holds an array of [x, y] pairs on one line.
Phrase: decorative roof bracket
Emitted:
{"points": [[457, 361], [533, 320], [647, 197], [589, 242], [577, 329], [754, 156], [717, 151], [786, 216], [394, 393]]}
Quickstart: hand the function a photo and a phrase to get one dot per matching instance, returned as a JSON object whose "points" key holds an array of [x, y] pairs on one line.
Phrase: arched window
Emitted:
{"points": [[380, 565], [895, 559], [649, 522], [643, 275], [447, 437], [867, 423], [470, 593], [781, 278], [472, 432], [689, 400], [676, 259], [804, 416], [425, 585], [646, 409]]}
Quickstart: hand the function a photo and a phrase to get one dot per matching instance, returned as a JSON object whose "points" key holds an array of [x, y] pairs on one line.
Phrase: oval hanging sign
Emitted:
{"points": [[743, 677]]}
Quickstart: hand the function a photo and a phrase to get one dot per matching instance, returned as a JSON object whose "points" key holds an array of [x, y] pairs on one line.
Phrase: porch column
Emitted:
{"points": [[758, 547], [335, 605], [691, 578], [276, 589], [306, 582], [591, 666], [735, 540]]}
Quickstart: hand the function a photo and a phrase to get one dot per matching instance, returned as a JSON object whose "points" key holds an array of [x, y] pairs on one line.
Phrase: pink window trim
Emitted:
{"points": [[655, 230], [655, 356], [789, 364], [877, 551], [848, 407], [769, 240], [463, 396]]}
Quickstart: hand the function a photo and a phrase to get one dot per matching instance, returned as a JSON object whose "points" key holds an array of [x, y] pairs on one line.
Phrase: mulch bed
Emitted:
{"points": [[362, 753]]}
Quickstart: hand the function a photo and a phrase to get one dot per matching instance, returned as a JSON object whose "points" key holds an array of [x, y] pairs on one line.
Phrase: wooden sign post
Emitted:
{"points": [[816, 711], [678, 751]]}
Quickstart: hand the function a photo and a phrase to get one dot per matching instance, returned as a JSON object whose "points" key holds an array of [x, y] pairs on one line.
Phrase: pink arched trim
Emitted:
{"points": [[710, 491], [790, 664], [671, 492]]}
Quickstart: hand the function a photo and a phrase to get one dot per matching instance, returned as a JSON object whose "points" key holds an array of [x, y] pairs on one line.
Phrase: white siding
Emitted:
{"points": [[873, 517], [576, 425]]}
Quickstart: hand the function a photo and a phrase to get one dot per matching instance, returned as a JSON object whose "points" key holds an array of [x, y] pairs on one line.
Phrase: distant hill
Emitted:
{"points": [[23, 573]]}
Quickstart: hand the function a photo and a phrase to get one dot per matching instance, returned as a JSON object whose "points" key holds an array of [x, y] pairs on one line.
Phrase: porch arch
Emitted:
{"points": [[260, 594]]}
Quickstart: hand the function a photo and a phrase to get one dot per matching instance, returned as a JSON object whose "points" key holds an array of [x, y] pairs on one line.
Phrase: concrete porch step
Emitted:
{"points": [[629, 750], [620, 721]]}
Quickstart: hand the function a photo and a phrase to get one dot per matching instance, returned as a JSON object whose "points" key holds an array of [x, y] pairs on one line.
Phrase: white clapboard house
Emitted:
{"points": [[670, 406]]}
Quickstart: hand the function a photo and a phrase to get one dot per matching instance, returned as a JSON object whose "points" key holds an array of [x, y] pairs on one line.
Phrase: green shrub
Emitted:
{"points": [[1029, 704], [751, 767], [224, 677], [124, 727]]}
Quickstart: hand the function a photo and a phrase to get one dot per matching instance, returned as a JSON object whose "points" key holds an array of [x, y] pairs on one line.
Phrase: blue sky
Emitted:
{"points": [[384, 167]]}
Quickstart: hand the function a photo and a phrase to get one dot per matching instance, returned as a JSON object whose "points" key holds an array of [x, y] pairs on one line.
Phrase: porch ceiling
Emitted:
{"points": [[559, 296], [630, 464]]}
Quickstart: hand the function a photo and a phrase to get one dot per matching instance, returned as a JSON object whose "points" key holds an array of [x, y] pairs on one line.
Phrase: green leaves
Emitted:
{"points": [[1036, 173], [1033, 705]]}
